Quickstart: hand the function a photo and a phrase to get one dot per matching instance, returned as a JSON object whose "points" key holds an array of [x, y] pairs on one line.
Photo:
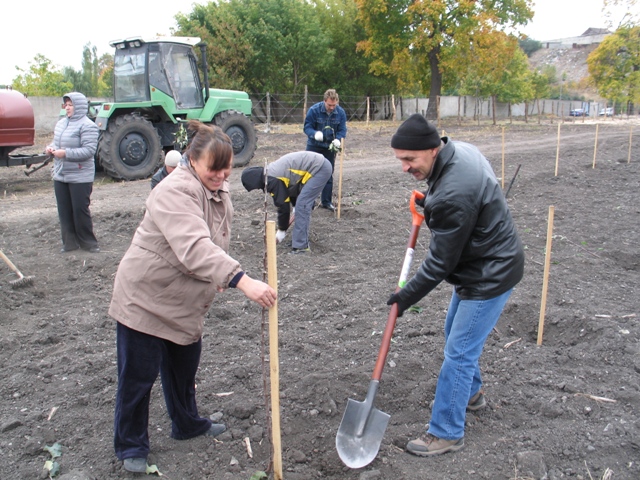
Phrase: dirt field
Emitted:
{"points": [[569, 408]]}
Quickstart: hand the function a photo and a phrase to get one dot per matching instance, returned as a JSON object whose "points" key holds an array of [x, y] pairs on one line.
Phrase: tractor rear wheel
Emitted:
{"points": [[130, 148], [242, 134]]}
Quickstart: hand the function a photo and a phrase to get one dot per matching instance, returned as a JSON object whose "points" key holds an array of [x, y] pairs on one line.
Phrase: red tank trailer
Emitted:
{"points": [[17, 130]]}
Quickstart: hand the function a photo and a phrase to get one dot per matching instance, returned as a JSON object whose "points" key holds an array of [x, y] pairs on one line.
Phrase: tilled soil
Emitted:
{"points": [[569, 408]]}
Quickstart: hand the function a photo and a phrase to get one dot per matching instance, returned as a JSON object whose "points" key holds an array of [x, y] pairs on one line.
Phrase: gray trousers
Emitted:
{"points": [[304, 205]]}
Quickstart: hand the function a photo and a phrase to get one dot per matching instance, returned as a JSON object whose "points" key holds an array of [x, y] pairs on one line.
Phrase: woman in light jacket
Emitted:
{"points": [[163, 288], [75, 141]]}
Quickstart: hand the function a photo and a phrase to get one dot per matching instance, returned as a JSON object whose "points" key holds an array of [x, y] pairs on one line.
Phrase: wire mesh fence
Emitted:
{"points": [[292, 108], [286, 108]]}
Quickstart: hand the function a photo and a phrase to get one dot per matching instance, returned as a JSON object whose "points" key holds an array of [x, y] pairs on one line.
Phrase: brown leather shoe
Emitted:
{"points": [[477, 402], [428, 445]]}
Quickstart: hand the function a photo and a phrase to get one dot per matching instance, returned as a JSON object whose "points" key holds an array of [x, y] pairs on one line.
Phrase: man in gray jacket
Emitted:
{"points": [[475, 247], [295, 179], [75, 141]]}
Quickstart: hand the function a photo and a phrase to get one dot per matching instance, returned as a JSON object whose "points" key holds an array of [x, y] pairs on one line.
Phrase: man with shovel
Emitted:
{"points": [[475, 247]]}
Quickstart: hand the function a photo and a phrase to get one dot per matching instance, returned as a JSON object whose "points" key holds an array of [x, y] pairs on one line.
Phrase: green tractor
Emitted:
{"points": [[157, 88]]}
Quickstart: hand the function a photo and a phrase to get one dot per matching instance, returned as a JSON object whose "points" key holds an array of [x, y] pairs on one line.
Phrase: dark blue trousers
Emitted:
{"points": [[140, 358], [327, 191], [76, 225]]}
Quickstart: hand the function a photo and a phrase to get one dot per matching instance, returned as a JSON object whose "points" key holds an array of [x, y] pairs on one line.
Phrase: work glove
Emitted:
{"points": [[402, 304], [336, 143], [280, 234], [420, 201], [318, 136]]}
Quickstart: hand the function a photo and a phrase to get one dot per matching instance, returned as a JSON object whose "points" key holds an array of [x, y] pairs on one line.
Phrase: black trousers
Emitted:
{"points": [[327, 191], [140, 357], [75, 218]]}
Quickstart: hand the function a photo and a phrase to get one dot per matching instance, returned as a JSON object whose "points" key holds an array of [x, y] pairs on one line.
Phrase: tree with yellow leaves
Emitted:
{"points": [[417, 41]]}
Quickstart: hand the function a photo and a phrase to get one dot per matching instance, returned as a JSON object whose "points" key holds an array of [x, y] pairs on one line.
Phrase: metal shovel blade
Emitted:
{"points": [[361, 431]]}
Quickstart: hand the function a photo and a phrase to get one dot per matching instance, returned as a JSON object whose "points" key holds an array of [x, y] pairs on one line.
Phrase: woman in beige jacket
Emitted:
{"points": [[163, 288]]}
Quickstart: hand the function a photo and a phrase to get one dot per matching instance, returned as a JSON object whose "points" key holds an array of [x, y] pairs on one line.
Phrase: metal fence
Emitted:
{"points": [[291, 108]]}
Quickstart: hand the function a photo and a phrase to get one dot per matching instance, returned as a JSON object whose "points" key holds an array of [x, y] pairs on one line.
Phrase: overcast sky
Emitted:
{"points": [[59, 29]]}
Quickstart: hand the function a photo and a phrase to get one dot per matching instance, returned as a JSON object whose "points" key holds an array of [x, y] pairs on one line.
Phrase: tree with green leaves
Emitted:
{"points": [[349, 71], [42, 78], [228, 50], [615, 66], [416, 40], [282, 42]]}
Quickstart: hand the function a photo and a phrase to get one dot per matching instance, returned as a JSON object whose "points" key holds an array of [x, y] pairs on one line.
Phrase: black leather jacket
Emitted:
{"points": [[474, 244]]}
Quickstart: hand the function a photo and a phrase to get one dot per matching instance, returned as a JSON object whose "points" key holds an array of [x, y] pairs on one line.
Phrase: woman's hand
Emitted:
{"points": [[60, 153], [257, 291]]}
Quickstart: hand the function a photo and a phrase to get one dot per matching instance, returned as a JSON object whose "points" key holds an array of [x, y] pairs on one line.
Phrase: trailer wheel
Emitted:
{"points": [[242, 134], [130, 148]]}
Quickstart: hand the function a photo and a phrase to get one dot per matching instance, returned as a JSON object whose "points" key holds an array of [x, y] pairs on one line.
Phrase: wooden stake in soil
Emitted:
{"points": [[502, 158], [340, 177], [558, 150], [630, 139], [595, 147], [274, 362], [545, 278]]}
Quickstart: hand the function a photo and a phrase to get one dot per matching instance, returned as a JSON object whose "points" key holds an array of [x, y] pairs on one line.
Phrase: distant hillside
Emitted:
{"points": [[572, 61]]}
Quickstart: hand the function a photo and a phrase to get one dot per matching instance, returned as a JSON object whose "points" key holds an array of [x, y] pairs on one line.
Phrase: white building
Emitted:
{"points": [[592, 36]]}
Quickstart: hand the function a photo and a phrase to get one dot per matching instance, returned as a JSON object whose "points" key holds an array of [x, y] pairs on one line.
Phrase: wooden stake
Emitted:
{"points": [[630, 138], [393, 105], [558, 150], [340, 177], [272, 276], [502, 158], [595, 147], [368, 110], [545, 278]]}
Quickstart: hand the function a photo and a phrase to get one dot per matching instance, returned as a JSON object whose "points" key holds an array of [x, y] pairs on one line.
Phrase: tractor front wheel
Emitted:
{"points": [[130, 148], [242, 134]]}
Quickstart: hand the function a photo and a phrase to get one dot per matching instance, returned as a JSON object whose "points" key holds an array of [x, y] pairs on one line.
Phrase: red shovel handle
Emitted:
{"points": [[416, 222]]}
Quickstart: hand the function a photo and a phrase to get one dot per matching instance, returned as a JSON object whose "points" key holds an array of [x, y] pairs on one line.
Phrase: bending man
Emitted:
{"points": [[475, 247], [295, 179]]}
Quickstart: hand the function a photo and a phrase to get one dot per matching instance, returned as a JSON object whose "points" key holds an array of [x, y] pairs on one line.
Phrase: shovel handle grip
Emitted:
{"points": [[416, 221], [416, 217]]}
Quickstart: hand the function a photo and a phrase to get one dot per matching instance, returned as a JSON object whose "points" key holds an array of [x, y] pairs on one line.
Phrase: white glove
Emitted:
{"points": [[318, 136], [280, 234], [336, 143]]}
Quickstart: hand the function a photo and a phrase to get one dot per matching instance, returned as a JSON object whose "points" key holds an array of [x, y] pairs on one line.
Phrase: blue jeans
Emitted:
{"points": [[466, 328], [304, 206], [327, 192]]}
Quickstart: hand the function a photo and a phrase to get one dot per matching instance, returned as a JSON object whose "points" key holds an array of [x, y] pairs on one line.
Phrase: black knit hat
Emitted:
{"points": [[253, 178], [415, 134]]}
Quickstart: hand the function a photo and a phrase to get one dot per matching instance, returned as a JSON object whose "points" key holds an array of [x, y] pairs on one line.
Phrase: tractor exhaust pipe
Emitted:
{"points": [[205, 69]]}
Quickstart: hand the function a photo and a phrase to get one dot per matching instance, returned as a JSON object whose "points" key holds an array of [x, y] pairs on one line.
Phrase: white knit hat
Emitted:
{"points": [[172, 158]]}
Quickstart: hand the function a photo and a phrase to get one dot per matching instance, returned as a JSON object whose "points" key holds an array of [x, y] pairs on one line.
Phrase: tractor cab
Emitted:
{"points": [[165, 64], [157, 87]]}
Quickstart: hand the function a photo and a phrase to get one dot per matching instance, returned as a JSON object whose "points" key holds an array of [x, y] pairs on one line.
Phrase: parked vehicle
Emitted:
{"points": [[17, 130], [578, 112], [606, 111], [156, 87]]}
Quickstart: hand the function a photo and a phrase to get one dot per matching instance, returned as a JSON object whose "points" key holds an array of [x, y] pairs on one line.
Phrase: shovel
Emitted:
{"points": [[362, 427]]}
